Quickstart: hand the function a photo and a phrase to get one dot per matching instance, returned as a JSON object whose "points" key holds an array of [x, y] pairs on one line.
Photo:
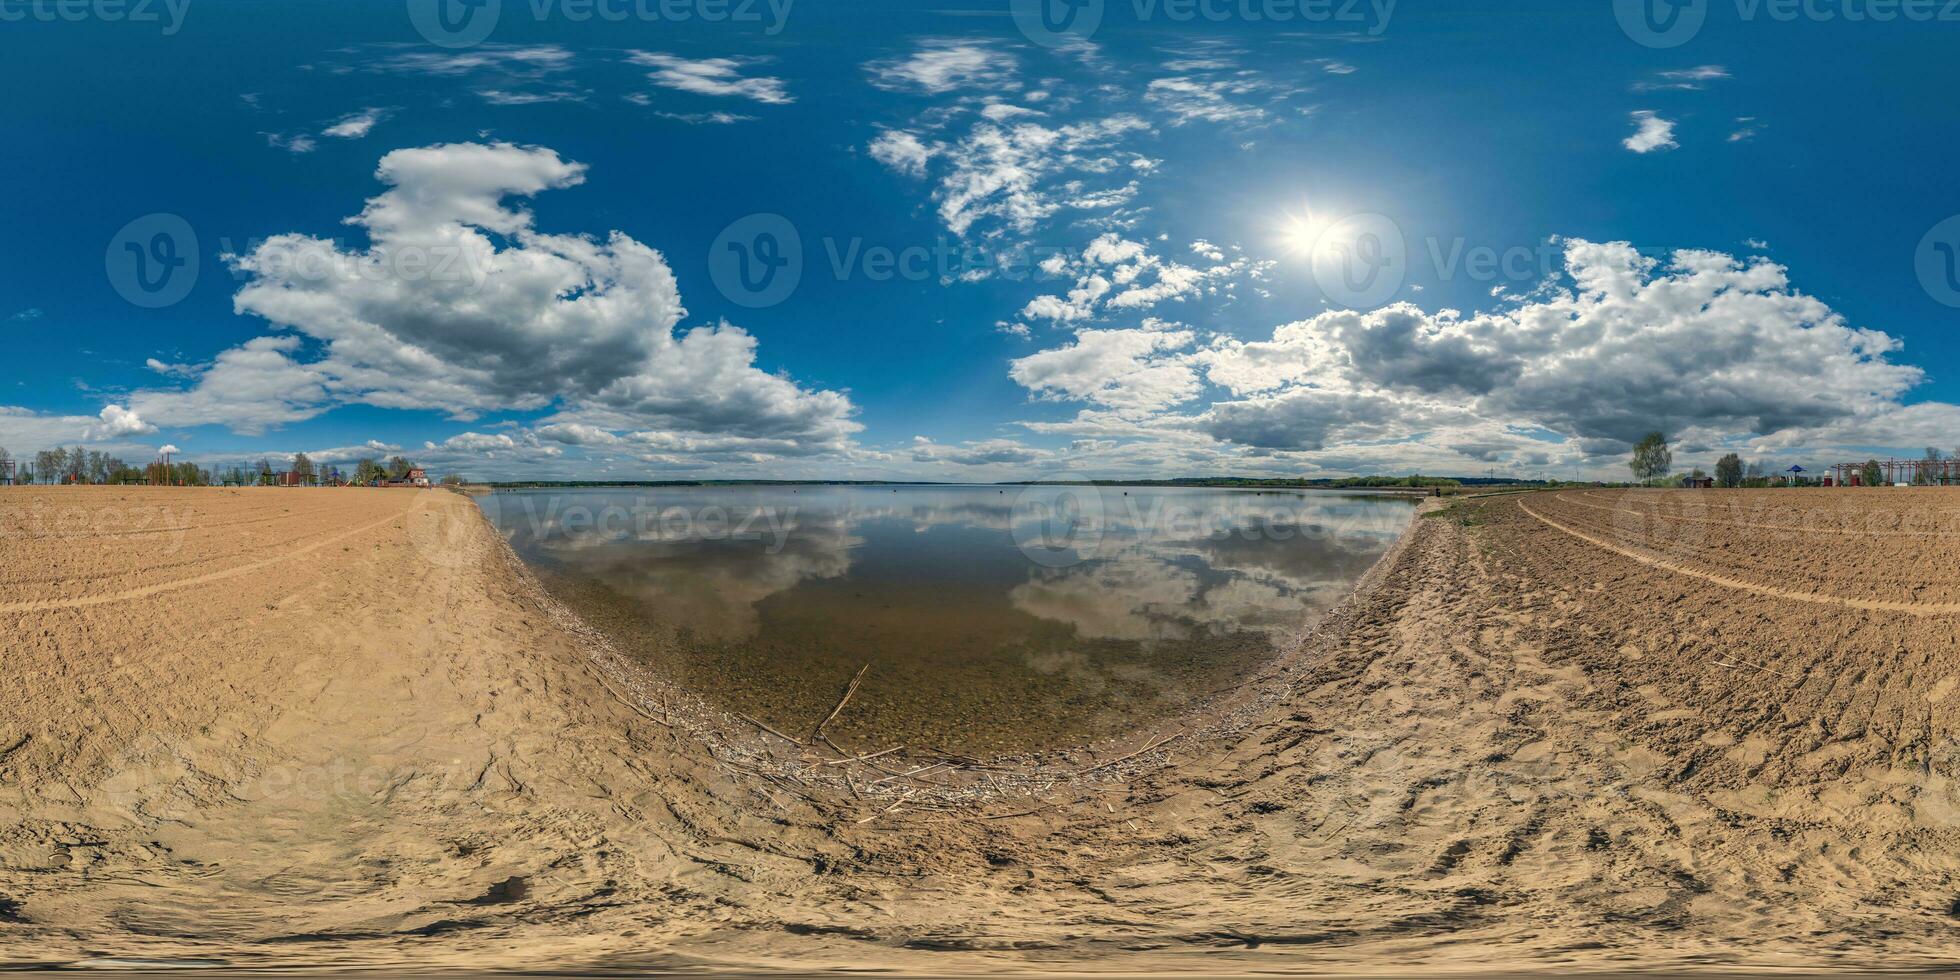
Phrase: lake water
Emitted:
{"points": [[995, 619]]}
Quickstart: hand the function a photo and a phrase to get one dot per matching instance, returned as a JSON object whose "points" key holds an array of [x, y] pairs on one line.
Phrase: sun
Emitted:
{"points": [[1300, 232]]}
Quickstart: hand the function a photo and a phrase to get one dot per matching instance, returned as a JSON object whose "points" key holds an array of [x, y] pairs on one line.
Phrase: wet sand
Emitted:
{"points": [[315, 729]]}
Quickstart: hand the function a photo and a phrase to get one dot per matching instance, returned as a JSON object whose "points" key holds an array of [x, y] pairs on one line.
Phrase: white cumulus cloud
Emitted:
{"points": [[460, 304], [1650, 133], [710, 76]]}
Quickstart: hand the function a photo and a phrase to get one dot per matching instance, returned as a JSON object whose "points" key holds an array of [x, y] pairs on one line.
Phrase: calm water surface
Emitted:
{"points": [[994, 619]]}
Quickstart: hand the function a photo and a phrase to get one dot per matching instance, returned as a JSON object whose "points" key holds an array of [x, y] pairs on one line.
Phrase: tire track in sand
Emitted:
{"points": [[45, 605], [1781, 528], [1875, 605]]}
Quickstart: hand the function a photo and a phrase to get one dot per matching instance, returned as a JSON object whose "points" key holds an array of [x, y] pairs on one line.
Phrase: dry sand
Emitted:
{"points": [[342, 728]]}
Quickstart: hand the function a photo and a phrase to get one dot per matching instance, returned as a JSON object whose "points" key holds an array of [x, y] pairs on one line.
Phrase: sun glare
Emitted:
{"points": [[1299, 233]]}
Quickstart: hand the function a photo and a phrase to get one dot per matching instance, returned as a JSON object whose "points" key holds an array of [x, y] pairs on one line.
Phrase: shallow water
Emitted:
{"points": [[995, 619]]}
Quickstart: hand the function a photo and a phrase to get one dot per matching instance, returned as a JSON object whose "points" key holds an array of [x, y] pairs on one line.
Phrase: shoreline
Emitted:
{"points": [[1216, 716]]}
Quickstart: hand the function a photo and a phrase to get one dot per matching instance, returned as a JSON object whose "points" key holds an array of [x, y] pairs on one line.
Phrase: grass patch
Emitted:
{"points": [[1461, 512]]}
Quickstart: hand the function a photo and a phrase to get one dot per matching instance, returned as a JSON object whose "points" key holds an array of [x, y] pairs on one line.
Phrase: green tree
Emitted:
{"points": [[1872, 473], [453, 480], [398, 468], [1728, 471], [367, 471], [303, 467], [1651, 458], [1927, 474]]}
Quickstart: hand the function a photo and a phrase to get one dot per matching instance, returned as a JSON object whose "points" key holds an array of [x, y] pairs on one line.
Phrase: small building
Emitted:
{"points": [[415, 477], [1697, 483]]}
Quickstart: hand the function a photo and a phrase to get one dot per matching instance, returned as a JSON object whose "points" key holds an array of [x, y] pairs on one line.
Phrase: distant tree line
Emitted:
{"points": [[1653, 461], [1390, 481], [88, 466]]}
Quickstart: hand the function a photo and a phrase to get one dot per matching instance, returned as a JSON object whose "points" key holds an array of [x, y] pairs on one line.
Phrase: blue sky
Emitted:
{"points": [[1451, 237]]}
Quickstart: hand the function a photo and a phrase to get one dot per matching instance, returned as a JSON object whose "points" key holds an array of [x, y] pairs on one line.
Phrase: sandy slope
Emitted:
{"points": [[275, 727]]}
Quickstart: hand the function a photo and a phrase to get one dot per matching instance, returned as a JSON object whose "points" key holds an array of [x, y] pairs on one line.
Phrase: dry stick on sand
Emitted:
{"points": [[1149, 746], [881, 813], [766, 728], [841, 702], [843, 756], [623, 699], [922, 770], [862, 758]]}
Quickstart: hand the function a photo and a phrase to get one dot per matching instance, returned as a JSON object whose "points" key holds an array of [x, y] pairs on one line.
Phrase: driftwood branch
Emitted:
{"points": [[881, 813], [841, 702], [1152, 745], [758, 723], [920, 771], [865, 757]]}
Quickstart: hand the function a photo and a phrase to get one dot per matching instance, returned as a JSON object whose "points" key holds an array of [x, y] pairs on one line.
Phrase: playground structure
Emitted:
{"points": [[6, 473], [1916, 472], [160, 474]]}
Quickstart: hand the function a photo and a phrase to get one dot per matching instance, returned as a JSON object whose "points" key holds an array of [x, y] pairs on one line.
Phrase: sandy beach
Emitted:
{"points": [[1608, 729]]}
